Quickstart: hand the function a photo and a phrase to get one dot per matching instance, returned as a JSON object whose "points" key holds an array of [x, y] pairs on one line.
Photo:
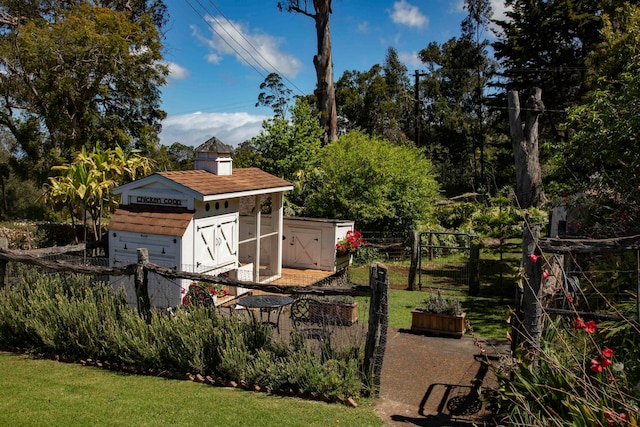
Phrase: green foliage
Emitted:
{"points": [[80, 73], [87, 182], [286, 147], [277, 97], [607, 171], [62, 315], [437, 304], [381, 186], [456, 216], [378, 101], [580, 377]]}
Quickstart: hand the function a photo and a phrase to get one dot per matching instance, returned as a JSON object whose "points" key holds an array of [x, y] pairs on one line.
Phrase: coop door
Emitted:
{"points": [[305, 247], [227, 233], [217, 242]]}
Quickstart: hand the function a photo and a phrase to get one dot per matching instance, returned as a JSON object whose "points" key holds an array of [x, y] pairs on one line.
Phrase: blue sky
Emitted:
{"points": [[219, 51]]}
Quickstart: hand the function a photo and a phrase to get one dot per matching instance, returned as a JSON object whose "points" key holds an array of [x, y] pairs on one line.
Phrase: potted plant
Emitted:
{"points": [[346, 247], [200, 293], [439, 315], [340, 309]]}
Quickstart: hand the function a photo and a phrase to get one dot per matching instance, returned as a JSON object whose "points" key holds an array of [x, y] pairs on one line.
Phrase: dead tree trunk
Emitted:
{"points": [[323, 62], [525, 147], [531, 283]]}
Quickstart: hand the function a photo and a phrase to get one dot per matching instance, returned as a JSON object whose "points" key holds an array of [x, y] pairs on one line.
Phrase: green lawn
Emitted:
{"points": [[485, 313], [49, 393]]}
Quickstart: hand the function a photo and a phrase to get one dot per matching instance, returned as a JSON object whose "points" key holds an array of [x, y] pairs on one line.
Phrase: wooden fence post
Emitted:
{"points": [[378, 322], [4, 245], [474, 269], [531, 282], [415, 253], [142, 284]]}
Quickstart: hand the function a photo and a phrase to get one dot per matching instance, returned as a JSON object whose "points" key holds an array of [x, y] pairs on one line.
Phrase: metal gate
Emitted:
{"points": [[444, 260]]}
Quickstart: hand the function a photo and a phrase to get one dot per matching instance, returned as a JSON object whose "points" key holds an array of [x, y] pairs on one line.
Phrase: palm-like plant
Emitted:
{"points": [[88, 180]]}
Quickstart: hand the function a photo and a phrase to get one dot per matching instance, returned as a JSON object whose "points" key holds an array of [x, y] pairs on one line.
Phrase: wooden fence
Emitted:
{"points": [[527, 327], [377, 291]]}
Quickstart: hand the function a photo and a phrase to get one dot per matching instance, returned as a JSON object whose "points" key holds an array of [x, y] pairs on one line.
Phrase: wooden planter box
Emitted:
{"points": [[343, 260], [441, 324], [340, 313]]}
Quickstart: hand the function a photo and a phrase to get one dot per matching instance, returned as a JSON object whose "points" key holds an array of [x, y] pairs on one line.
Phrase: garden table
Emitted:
{"points": [[266, 304]]}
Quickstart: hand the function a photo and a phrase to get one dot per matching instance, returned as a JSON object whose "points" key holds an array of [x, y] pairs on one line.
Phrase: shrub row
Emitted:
{"points": [[67, 316]]}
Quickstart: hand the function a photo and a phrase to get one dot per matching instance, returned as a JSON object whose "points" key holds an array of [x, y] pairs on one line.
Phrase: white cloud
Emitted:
{"points": [[410, 59], [407, 14], [195, 128], [499, 9], [176, 72], [251, 48], [363, 27]]}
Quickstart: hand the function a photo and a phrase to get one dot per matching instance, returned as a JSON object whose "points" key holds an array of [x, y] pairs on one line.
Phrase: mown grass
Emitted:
{"points": [[36, 392], [486, 312]]}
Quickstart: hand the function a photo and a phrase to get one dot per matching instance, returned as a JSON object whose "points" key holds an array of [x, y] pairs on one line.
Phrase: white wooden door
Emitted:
{"points": [[305, 247], [216, 242], [206, 255], [227, 239]]}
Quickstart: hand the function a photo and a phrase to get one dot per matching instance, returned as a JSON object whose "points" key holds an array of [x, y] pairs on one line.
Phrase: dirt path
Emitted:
{"points": [[428, 381]]}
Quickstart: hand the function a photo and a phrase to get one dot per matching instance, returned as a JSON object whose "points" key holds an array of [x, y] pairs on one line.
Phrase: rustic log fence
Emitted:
{"points": [[528, 324], [377, 290]]}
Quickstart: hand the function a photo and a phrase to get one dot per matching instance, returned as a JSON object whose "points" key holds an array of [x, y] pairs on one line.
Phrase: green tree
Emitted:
{"points": [[378, 101], [379, 185], [285, 147], [75, 73], [276, 95], [177, 156], [452, 97], [604, 151], [545, 44], [87, 182]]}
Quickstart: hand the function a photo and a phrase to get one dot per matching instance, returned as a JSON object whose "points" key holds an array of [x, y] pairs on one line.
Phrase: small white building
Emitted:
{"points": [[209, 220]]}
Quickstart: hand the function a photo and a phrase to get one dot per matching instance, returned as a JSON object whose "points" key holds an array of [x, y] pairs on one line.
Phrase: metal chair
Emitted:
{"points": [[309, 320]]}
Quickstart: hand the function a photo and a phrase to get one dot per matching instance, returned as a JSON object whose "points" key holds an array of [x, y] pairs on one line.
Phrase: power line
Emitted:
{"points": [[254, 48], [223, 39], [253, 63]]}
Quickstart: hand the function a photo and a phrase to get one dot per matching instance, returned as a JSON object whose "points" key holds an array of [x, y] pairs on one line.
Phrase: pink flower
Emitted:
{"points": [[590, 327], [545, 274], [605, 362], [607, 352], [533, 258], [579, 324]]}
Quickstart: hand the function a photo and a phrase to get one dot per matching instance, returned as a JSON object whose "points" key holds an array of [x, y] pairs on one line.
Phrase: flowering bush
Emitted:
{"points": [[585, 376], [352, 241], [202, 294]]}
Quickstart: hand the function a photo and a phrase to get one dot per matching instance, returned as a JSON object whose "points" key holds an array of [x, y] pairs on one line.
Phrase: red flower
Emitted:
{"points": [[570, 298], [607, 352], [183, 291], [185, 300], [595, 366], [605, 362], [545, 274], [533, 258], [579, 324], [590, 327]]}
